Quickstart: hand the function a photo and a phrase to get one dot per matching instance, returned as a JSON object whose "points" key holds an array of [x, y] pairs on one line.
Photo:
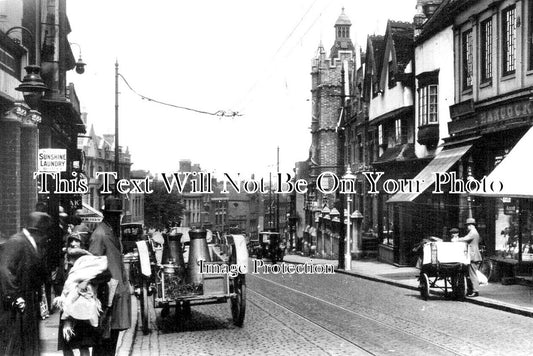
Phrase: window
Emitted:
{"points": [[530, 33], [360, 147], [468, 64], [509, 40], [486, 50], [428, 97], [398, 130], [380, 135], [392, 81]]}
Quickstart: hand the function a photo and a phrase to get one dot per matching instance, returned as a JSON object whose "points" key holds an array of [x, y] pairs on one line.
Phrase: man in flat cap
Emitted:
{"points": [[22, 274], [454, 233]]}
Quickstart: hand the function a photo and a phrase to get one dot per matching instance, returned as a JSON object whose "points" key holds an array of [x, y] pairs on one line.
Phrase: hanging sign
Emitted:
{"points": [[52, 160]]}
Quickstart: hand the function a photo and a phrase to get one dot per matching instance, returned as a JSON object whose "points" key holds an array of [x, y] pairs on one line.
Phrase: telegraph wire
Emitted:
{"points": [[219, 113], [244, 101]]}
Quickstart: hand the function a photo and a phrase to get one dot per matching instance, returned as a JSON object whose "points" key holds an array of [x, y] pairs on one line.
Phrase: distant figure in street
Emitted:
{"points": [[105, 242], [22, 274], [472, 238]]}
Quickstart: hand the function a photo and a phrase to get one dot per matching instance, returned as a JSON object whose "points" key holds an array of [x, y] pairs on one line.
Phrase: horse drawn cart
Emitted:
{"points": [[212, 274], [444, 266]]}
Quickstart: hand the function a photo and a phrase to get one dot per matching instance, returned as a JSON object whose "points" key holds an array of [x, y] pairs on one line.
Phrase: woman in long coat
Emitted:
{"points": [[22, 274]]}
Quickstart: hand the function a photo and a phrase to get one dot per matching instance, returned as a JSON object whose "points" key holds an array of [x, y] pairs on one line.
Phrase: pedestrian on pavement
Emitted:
{"points": [[78, 226], [472, 238], [80, 308], [117, 308], [22, 275]]}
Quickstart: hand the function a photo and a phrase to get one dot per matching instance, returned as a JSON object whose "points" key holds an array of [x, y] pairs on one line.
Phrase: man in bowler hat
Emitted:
{"points": [[22, 275]]}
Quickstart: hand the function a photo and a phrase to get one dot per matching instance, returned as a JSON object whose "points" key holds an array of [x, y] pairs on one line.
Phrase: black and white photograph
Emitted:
{"points": [[245, 177]]}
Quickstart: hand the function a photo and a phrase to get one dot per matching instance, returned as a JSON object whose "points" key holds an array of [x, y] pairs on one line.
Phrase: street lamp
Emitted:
{"points": [[325, 217], [32, 86], [334, 222], [347, 249], [80, 65]]}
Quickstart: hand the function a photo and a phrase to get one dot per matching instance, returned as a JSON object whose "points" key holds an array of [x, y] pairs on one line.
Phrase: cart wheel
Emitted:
{"points": [[238, 303], [165, 311], [145, 316], [424, 286], [486, 268], [459, 286], [187, 310]]}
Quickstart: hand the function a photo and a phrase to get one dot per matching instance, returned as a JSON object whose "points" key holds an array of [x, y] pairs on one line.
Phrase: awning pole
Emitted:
{"points": [[519, 232]]}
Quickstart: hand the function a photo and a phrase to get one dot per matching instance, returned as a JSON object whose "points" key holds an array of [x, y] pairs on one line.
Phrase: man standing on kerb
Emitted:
{"points": [[117, 305], [472, 238]]}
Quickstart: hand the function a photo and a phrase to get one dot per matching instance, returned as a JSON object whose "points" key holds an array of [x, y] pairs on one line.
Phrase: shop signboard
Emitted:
{"points": [[509, 208], [52, 160]]}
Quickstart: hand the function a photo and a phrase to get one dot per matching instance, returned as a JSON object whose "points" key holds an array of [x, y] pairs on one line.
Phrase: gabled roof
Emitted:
{"points": [[441, 18], [402, 34], [373, 58]]}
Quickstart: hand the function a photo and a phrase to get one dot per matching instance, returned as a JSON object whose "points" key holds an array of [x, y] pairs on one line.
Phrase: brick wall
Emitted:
{"points": [[9, 176], [29, 140]]}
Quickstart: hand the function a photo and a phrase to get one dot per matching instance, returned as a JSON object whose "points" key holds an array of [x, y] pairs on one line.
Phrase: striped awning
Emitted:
{"points": [[442, 162], [514, 171]]}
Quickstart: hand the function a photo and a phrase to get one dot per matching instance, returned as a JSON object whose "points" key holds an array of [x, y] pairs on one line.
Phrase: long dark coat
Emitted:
{"points": [[22, 274], [104, 243]]}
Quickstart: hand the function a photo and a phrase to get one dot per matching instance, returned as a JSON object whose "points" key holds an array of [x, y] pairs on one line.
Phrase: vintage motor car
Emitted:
{"points": [[270, 245], [130, 233]]}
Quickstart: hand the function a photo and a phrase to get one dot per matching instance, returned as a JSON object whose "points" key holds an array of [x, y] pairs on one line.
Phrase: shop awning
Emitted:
{"points": [[515, 171], [90, 214], [442, 162]]}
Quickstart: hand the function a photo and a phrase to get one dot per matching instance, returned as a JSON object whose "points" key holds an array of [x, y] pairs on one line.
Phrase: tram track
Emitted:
{"points": [[257, 305], [356, 314]]}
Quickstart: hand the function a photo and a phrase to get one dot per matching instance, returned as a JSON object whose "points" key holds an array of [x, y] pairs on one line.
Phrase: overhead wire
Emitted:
{"points": [[219, 113], [245, 100]]}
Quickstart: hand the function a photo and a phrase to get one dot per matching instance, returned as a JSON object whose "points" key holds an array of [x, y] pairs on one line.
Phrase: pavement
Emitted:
{"points": [[514, 298], [50, 328]]}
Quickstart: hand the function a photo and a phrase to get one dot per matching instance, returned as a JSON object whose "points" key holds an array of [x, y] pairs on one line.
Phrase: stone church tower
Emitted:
{"points": [[327, 90]]}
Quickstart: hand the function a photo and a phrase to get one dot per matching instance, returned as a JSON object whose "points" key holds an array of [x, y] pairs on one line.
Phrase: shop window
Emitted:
{"points": [[468, 59], [509, 40], [486, 50], [530, 34], [380, 135]]}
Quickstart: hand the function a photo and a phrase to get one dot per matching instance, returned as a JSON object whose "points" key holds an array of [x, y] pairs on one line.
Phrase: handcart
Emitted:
{"points": [[444, 266], [213, 274]]}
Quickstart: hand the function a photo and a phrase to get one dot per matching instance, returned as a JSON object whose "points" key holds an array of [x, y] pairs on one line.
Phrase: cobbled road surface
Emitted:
{"points": [[337, 315]]}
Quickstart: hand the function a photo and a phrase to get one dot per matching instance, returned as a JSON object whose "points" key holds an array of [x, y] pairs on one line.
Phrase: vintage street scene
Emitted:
{"points": [[246, 177]]}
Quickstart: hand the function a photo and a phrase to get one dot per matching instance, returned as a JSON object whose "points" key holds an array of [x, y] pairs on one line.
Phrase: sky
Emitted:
{"points": [[245, 56]]}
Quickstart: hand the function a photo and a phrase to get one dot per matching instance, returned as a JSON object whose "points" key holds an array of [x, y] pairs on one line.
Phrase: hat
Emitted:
{"points": [[112, 205], [74, 236], [470, 221], [454, 231], [40, 222], [62, 212]]}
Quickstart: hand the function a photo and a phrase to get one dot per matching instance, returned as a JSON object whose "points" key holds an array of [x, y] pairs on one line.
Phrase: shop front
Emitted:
{"points": [[513, 210], [501, 156]]}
